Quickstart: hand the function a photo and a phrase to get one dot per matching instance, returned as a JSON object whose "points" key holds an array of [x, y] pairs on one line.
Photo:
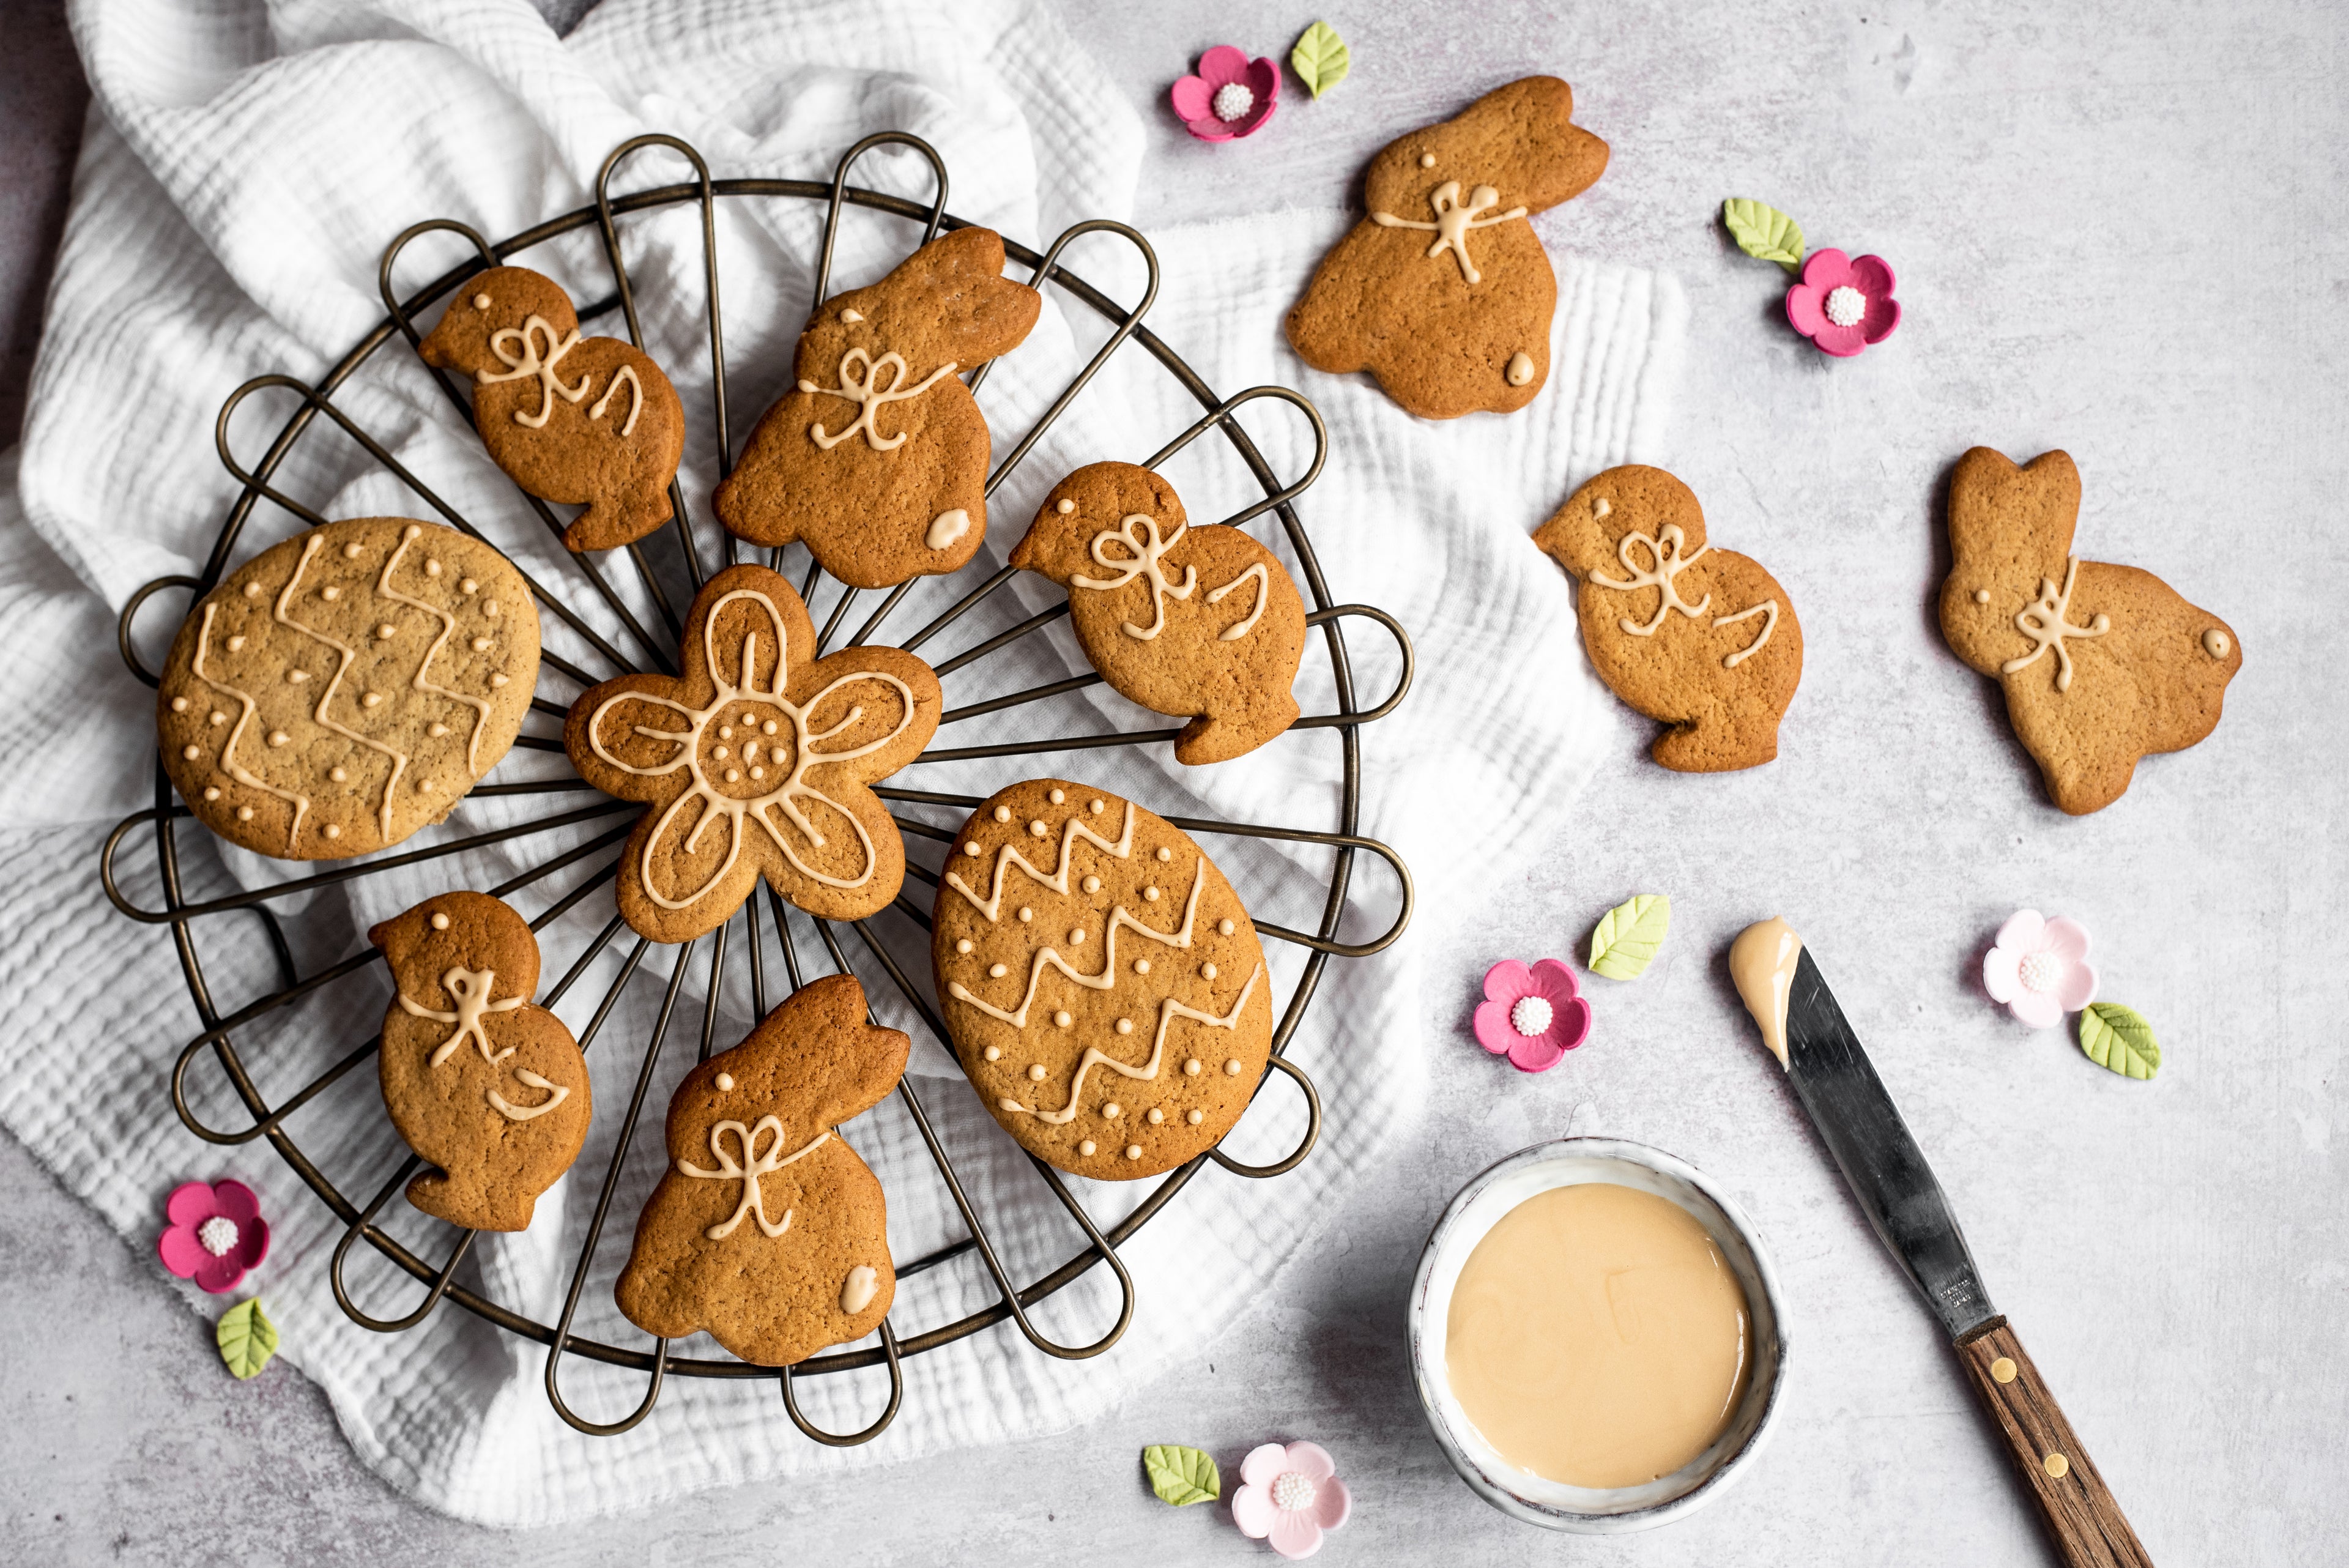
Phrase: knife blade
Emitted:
{"points": [[1881, 1162], [1805, 1028]]}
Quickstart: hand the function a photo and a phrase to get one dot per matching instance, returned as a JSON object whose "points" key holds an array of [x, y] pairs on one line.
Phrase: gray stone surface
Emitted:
{"points": [[2118, 231]]}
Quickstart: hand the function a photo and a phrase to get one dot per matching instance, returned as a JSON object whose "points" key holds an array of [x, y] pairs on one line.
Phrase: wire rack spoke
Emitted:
{"points": [[681, 553]]}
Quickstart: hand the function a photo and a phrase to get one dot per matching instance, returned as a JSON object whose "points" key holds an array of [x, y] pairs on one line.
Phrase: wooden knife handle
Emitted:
{"points": [[2087, 1524]]}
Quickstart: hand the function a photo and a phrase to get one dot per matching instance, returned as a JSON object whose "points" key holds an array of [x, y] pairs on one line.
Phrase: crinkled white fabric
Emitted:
{"points": [[244, 168]]}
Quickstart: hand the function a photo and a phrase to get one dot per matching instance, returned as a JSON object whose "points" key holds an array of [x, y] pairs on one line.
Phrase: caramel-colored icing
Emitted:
{"points": [[1762, 964], [1597, 1336]]}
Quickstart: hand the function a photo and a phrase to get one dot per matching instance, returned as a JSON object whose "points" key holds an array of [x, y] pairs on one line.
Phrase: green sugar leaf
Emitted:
{"points": [[2119, 1039], [1182, 1476], [1320, 59], [247, 1338], [1628, 935], [1763, 232]]}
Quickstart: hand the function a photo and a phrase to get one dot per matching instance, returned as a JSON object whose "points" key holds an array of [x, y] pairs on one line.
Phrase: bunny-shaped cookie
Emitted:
{"points": [[1716, 653], [877, 460], [485, 1085], [758, 761], [766, 1228], [1185, 621], [2101, 664], [1442, 291], [570, 419]]}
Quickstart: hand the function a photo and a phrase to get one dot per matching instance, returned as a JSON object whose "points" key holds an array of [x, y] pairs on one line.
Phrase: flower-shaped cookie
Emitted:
{"points": [[2040, 968], [758, 761], [1291, 1494], [216, 1235], [1534, 1016]]}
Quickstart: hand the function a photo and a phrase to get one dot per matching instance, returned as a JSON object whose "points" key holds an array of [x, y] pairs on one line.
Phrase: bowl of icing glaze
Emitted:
{"points": [[1501, 1192]]}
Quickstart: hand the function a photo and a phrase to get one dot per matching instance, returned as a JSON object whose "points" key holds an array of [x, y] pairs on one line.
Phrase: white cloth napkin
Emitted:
{"points": [[243, 168]]}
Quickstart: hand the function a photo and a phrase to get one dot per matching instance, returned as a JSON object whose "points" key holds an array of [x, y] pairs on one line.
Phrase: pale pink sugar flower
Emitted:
{"points": [[1291, 1494], [2040, 968]]}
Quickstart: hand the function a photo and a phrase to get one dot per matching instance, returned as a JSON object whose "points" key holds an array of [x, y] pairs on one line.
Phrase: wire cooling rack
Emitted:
{"points": [[655, 649]]}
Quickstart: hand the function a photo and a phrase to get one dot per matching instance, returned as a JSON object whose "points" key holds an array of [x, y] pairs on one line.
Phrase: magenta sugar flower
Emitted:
{"points": [[1534, 1016], [2040, 969], [216, 1234], [1843, 305], [1292, 1495], [1231, 96]]}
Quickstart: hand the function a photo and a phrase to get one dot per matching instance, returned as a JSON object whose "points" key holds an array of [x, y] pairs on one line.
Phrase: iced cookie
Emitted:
{"points": [[877, 460], [766, 1228], [2100, 664], [1105, 989], [756, 762], [1715, 653], [1442, 290], [572, 420], [488, 1089], [1198, 623], [346, 687]]}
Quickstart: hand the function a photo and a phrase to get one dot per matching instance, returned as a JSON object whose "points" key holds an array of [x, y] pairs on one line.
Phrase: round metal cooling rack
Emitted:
{"points": [[650, 650]]}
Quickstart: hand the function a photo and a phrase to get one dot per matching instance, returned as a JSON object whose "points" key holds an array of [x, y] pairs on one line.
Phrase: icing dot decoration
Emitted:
{"points": [[1087, 1146], [179, 704], [439, 921], [996, 971], [1156, 1115], [994, 1053], [1057, 796], [1134, 1151], [1002, 814], [1113, 1110], [963, 946], [725, 1082], [1063, 1020], [1233, 1068], [1193, 1067], [1206, 972], [1194, 1117], [1226, 926], [192, 753], [1036, 1072]]}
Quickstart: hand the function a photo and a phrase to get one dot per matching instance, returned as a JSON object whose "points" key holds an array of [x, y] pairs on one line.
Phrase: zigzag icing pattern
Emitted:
{"points": [[1050, 958], [1168, 1011], [1058, 881]]}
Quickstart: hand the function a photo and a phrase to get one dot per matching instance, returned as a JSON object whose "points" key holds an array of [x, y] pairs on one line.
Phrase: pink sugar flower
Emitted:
{"points": [[1843, 305], [216, 1234], [2040, 968], [1533, 1016], [1292, 1494], [1231, 96]]}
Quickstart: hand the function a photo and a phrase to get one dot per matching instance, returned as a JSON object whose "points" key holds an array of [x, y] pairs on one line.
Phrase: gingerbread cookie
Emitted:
{"points": [[766, 1228], [1106, 991], [486, 1086], [346, 687], [2101, 664], [756, 760], [1185, 621], [877, 462], [1442, 291], [1716, 654], [574, 420]]}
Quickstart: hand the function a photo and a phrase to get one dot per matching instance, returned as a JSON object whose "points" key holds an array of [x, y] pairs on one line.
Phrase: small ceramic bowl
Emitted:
{"points": [[1555, 1505]]}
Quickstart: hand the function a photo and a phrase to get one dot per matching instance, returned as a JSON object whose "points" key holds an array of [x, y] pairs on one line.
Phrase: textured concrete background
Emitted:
{"points": [[2117, 229]]}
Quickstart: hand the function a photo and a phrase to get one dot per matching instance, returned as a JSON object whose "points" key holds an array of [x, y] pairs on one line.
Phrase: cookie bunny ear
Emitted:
{"points": [[844, 1064], [2009, 529], [1547, 158], [956, 282], [1095, 499], [1585, 534]]}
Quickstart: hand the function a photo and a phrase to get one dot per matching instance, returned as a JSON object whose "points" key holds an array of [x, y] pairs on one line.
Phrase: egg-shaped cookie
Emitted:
{"points": [[1106, 992], [346, 687]]}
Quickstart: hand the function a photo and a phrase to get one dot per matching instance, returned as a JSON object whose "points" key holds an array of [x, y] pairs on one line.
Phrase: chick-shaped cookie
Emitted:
{"points": [[1442, 290], [1704, 640], [766, 1228], [570, 419], [877, 459], [2100, 664], [490, 1088], [1196, 623], [757, 761], [1106, 991]]}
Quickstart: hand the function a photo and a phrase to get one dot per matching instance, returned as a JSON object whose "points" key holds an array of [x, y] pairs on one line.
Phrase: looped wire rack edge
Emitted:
{"points": [[218, 1037]]}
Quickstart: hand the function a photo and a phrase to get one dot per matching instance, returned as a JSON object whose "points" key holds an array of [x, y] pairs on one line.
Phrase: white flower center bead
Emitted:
{"points": [[1846, 305], [1531, 1015], [2040, 971], [1233, 101], [1292, 1492], [218, 1234]]}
